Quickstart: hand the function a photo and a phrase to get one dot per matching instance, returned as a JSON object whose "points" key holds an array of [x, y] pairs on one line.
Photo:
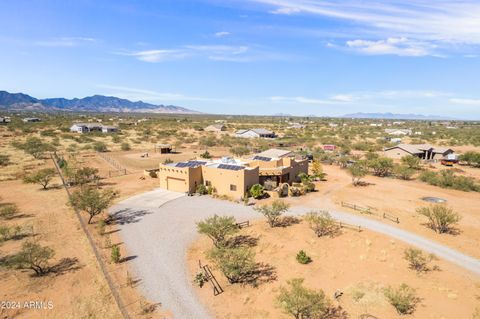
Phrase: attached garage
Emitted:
{"points": [[177, 184]]}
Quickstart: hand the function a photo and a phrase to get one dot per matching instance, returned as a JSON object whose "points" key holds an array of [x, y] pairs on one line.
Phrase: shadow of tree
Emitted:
{"points": [[65, 265], [287, 221], [242, 240], [263, 273], [128, 258], [127, 216]]}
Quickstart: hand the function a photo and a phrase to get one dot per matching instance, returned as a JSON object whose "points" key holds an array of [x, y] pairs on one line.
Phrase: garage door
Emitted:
{"points": [[176, 185]]}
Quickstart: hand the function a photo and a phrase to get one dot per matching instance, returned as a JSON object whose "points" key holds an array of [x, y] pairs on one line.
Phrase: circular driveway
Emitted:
{"points": [[157, 228]]}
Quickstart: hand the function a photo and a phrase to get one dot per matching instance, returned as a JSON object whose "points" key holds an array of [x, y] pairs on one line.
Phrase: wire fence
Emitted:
{"points": [[100, 261]]}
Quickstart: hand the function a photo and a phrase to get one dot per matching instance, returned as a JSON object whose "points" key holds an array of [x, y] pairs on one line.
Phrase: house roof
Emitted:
{"points": [[262, 131], [420, 148], [216, 126], [274, 153]]}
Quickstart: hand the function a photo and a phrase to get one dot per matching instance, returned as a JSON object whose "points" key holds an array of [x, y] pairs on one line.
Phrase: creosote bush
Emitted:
{"points": [[440, 218], [237, 263], [418, 260], [115, 254], [403, 298], [303, 258], [273, 212]]}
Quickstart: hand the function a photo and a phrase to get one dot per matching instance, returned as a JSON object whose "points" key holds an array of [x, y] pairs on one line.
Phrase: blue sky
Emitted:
{"points": [[301, 57]]}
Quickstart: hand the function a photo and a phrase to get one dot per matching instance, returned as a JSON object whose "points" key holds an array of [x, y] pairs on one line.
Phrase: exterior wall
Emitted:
{"points": [[179, 179], [223, 179], [396, 153], [248, 134], [281, 169]]}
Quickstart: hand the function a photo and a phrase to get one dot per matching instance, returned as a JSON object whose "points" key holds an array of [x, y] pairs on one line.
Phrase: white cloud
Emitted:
{"points": [[135, 94], [222, 34], [441, 22], [395, 46], [65, 42], [157, 55], [464, 101], [301, 99]]}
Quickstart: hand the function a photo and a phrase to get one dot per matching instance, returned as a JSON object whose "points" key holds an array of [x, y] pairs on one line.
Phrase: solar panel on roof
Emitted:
{"points": [[230, 167], [262, 158], [181, 164]]}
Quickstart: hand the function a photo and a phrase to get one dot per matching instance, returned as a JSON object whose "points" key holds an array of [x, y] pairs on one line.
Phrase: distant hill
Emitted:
{"points": [[393, 116], [96, 103]]}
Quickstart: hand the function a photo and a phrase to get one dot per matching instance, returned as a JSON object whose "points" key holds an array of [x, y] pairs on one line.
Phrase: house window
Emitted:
{"points": [[208, 183], [233, 188]]}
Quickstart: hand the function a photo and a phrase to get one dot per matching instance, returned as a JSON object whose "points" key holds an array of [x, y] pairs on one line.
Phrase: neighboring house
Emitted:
{"points": [[5, 120], [396, 140], [255, 133], [92, 127], [398, 132], [31, 119], [423, 151], [229, 176], [274, 153], [376, 124], [332, 124], [215, 128]]}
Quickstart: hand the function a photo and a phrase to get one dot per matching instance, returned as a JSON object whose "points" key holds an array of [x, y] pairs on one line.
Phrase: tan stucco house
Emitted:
{"points": [[232, 177]]}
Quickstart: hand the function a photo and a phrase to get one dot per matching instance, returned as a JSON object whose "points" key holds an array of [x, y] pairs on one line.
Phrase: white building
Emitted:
{"points": [[91, 127], [255, 133], [398, 132]]}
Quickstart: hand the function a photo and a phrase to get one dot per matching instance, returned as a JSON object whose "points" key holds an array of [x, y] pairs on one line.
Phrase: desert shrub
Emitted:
{"points": [[403, 172], [237, 263], [206, 155], [101, 227], [322, 223], [257, 191], [202, 189], [167, 161], [417, 260], [92, 200], [403, 298], [200, 279], [32, 256], [472, 158], [4, 160], [125, 146], [42, 177], [153, 174], [440, 218], [239, 150], [301, 302], [381, 166], [273, 212], [295, 191], [116, 139], [411, 161], [8, 211], [115, 254], [100, 147], [303, 258], [218, 228], [447, 179], [10, 232]]}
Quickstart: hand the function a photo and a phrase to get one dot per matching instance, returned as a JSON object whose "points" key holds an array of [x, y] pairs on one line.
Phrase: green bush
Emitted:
{"points": [[100, 147], [417, 260], [237, 264], [440, 218], [8, 211], [403, 298], [115, 254], [4, 160], [202, 189], [257, 191], [447, 179], [303, 258], [125, 146]]}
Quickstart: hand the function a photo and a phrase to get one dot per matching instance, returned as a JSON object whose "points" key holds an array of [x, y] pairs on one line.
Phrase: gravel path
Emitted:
{"points": [[157, 227]]}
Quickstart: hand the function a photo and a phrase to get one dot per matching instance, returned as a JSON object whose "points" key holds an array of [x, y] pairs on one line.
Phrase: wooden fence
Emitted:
{"points": [[363, 210], [120, 170], [391, 217], [217, 289], [354, 227]]}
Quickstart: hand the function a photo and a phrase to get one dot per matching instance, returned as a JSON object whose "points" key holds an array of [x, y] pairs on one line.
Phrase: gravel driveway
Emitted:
{"points": [[157, 227]]}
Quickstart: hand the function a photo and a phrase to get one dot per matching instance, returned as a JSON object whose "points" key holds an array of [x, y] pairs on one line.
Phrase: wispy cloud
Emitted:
{"points": [[222, 34], [65, 42], [136, 94], [302, 100], [422, 26], [214, 52], [394, 46]]}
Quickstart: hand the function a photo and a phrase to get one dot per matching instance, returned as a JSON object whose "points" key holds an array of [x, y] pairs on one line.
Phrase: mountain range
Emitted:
{"points": [[95, 103], [393, 116]]}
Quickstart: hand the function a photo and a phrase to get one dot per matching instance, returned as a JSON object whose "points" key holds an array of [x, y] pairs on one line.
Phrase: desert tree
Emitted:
{"points": [[317, 170], [301, 302], [381, 166], [217, 228], [403, 298], [440, 218], [92, 200], [32, 256], [35, 146], [357, 171], [403, 172], [273, 212], [322, 223], [42, 177], [418, 260], [236, 263]]}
